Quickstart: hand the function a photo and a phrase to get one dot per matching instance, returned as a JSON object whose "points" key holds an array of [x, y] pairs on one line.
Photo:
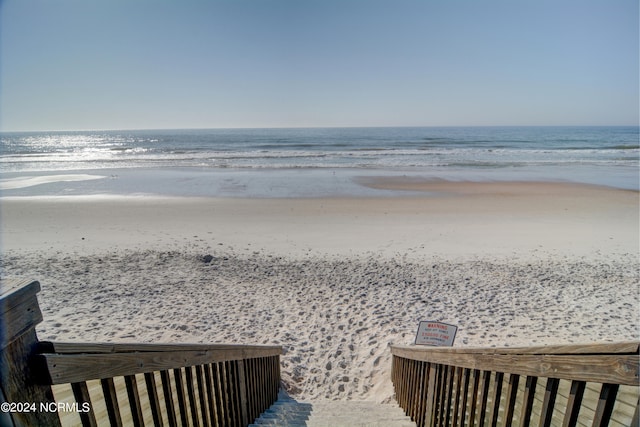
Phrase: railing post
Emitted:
{"points": [[19, 315], [243, 393]]}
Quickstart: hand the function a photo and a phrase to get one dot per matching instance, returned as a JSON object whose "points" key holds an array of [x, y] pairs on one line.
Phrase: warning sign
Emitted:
{"points": [[435, 333]]}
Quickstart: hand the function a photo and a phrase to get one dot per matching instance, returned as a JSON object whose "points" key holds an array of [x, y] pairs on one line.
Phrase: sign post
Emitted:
{"points": [[435, 333]]}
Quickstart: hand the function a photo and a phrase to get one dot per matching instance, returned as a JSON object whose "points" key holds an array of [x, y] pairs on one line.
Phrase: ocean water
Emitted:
{"points": [[308, 162]]}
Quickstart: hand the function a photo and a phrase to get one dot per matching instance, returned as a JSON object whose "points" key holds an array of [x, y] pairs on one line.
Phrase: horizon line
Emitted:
{"points": [[306, 127]]}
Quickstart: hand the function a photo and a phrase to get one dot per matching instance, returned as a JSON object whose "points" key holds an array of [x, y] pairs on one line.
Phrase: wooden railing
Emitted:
{"points": [[126, 384], [594, 385]]}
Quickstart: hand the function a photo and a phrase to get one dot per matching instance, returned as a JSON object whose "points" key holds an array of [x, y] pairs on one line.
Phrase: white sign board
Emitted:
{"points": [[435, 333]]}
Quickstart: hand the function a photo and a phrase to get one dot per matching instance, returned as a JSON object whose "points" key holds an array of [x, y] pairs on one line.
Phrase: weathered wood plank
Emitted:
{"points": [[243, 351], [19, 319], [614, 368], [69, 368], [14, 292], [628, 347]]}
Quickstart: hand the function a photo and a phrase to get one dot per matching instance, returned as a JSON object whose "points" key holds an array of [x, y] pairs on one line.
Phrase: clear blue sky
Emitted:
{"points": [[127, 64]]}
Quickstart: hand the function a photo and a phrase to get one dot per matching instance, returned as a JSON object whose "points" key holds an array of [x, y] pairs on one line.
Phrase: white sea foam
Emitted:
{"points": [[30, 181]]}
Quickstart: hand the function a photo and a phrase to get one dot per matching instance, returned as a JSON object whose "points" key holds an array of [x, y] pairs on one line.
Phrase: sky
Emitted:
{"points": [[147, 64]]}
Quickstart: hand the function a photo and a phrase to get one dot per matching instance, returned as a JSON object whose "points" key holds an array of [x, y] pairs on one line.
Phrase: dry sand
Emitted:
{"points": [[335, 280]]}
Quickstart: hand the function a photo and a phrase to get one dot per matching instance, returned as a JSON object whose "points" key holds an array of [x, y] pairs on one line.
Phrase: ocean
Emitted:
{"points": [[308, 162]]}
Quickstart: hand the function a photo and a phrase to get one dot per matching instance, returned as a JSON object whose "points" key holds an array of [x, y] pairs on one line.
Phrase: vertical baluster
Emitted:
{"points": [[431, 391], [551, 391], [441, 393], [230, 391], [224, 392], [213, 411], [236, 391], [406, 374], [81, 394], [192, 398], [260, 376], [134, 400], [529, 394], [182, 402], [242, 392], [412, 389], [465, 395], [474, 397], [484, 394], [168, 398], [202, 395], [111, 401], [604, 409], [449, 395], [257, 384], [394, 367], [497, 394], [277, 376], [574, 403], [217, 373], [422, 398], [635, 421], [263, 380], [154, 402], [456, 405], [512, 393], [267, 382], [248, 379], [400, 391]]}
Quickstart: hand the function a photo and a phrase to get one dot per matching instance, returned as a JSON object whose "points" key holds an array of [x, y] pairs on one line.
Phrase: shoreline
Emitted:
{"points": [[451, 219]]}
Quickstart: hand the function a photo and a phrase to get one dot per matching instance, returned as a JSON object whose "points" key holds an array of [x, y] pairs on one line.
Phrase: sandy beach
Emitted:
{"points": [[334, 280]]}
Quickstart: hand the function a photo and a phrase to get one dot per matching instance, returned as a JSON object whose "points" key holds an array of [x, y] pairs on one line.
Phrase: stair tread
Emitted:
{"points": [[287, 412]]}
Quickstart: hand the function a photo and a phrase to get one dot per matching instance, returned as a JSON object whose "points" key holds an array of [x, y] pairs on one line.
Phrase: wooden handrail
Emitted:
{"points": [[63, 363], [494, 386], [198, 384], [613, 363]]}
